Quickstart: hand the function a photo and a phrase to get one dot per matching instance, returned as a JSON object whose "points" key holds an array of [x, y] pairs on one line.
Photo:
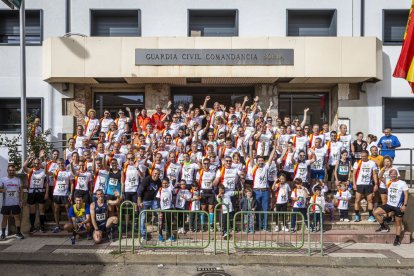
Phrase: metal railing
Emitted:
{"points": [[129, 207], [315, 224], [279, 238], [224, 227], [183, 229], [410, 165]]}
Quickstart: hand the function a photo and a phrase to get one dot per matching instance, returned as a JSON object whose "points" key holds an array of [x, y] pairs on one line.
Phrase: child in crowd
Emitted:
{"points": [[323, 186], [299, 196], [282, 190], [343, 195], [164, 196], [224, 197], [330, 206], [183, 195], [248, 203], [317, 208], [195, 206]]}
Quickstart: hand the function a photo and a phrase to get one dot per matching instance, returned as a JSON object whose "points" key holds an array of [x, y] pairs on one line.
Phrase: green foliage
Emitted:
{"points": [[13, 146], [35, 144]]}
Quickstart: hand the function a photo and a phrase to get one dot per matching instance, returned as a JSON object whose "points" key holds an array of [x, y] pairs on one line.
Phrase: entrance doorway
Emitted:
{"points": [[227, 96], [114, 101], [293, 104]]}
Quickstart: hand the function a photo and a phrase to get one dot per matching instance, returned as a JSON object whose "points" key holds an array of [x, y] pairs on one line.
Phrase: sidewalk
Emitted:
{"points": [[60, 250]]}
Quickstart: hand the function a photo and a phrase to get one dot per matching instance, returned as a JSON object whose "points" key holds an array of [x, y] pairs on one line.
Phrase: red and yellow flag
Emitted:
{"points": [[405, 65]]}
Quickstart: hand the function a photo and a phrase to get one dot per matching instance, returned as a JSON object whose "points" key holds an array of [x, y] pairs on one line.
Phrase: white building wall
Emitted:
{"points": [[169, 18]]}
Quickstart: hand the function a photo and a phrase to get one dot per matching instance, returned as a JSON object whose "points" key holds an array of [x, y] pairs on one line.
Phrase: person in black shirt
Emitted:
{"points": [[147, 192]]}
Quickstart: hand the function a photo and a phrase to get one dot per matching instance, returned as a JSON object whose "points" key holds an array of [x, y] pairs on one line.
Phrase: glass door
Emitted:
{"points": [[293, 104]]}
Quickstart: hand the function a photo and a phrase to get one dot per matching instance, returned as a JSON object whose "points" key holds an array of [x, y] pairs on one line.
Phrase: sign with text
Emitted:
{"points": [[211, 57]]}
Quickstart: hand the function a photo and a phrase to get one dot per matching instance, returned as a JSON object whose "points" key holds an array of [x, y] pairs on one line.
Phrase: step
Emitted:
{"points": [[360, 236], [362, 225]]}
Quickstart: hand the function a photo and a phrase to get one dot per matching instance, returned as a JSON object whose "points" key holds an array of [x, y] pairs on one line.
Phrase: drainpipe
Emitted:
{"points": [[362, 17]]}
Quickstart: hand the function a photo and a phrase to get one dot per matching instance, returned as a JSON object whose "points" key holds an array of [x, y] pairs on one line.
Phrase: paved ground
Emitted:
{"points": [[57, 256], [55, 245], [152, 270]]}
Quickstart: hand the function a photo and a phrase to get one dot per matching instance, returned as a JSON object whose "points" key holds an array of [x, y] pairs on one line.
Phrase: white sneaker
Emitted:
{"points": [[341, 219], [180, 230], [286, 229], [346, 220], [277, 228]]}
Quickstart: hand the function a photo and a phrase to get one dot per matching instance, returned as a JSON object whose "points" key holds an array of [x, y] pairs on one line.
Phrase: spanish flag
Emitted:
{"points": [[405, 65]]}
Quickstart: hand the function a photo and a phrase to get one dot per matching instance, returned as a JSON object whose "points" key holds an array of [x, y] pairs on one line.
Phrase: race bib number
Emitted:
{"points": [[113, 181], [37, 183], [208, 184], [82, 181], [392, 196], [61, 186], [11, 193], [100, 217]]}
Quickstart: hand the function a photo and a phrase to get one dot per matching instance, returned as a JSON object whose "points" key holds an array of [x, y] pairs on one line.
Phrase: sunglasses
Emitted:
{"points": [[228, 161], [131, 158], [206, 163]]}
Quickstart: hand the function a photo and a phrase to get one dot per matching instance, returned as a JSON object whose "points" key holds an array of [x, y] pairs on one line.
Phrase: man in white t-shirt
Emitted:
{"points": [[397, 202], [365, 184], [258, 171]]}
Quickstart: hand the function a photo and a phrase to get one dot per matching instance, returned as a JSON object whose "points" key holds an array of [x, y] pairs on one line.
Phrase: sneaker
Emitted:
{"points": [[277, 228], [32, 230], [111, 236], [382, 229], [73, 240], [341, 219], [43, 229], [19, 236], [171, 239], [357, 218], [313, 229], [372, 219], [88, 236], [346, 220], [397, 242], [182, 230], [56, 230], [143, 239], [2, 237], [160, 238], [286, 229], [225, 235], [387, 219], [293, 230]]}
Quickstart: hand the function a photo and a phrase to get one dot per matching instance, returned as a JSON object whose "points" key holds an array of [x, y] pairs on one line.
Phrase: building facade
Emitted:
{"points": [[334, 56]]}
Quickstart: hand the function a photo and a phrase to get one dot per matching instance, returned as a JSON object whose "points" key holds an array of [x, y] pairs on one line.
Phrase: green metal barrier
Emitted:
{"points": [[224, 221], [129, 207], [279, 238], [183, 229], [317, 220]]}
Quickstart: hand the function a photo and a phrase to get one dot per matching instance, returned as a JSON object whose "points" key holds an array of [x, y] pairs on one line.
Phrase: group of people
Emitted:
{"points": [[192, 159]]}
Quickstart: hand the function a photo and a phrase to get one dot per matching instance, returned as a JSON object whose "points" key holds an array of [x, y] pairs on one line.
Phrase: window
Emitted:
{"points": [[228, 96], [115, 23], [394, 25], [213, 23], [10, 27], [116, 101], [398, 114], [293, 104], [311, 23], [10, 112]]}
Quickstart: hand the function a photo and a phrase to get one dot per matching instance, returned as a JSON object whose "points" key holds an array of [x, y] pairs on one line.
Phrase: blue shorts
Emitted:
{"points": [[318, 174]]}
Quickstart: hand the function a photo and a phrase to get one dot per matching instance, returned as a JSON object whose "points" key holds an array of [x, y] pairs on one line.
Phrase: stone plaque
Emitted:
{"points": [[211, 57]]}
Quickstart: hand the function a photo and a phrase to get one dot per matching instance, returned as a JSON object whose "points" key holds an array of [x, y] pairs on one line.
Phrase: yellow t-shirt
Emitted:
{"points": [[379, 160]]}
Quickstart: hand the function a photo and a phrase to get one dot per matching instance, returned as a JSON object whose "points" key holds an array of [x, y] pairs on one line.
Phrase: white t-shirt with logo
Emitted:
{"points": [[396, 193], [165, 196], [259, 176], [365, 172], [207, 179], [11, 196], [62, 182], [282, 192]]}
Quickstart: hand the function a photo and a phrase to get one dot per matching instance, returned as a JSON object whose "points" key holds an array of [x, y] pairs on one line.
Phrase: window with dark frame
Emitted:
{"points": [[394, 24], [10, 113], [311, 23], [114, 101], [10, 27], [398, 114], [213, 23], [293, 104], [115, 23]]}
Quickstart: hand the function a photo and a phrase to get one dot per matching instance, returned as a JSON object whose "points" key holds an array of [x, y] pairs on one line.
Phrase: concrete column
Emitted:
{"points": [[156, 94], [267, 93]]}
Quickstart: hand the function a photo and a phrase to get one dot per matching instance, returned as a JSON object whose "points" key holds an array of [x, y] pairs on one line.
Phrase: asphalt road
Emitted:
{"points": [[148, 270]]}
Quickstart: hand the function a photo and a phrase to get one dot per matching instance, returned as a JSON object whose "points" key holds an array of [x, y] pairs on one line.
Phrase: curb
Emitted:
{"points": [[129, 259]]}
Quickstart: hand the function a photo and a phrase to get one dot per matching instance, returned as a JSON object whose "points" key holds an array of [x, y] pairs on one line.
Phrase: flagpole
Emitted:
{"points": [[23, 123]]}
